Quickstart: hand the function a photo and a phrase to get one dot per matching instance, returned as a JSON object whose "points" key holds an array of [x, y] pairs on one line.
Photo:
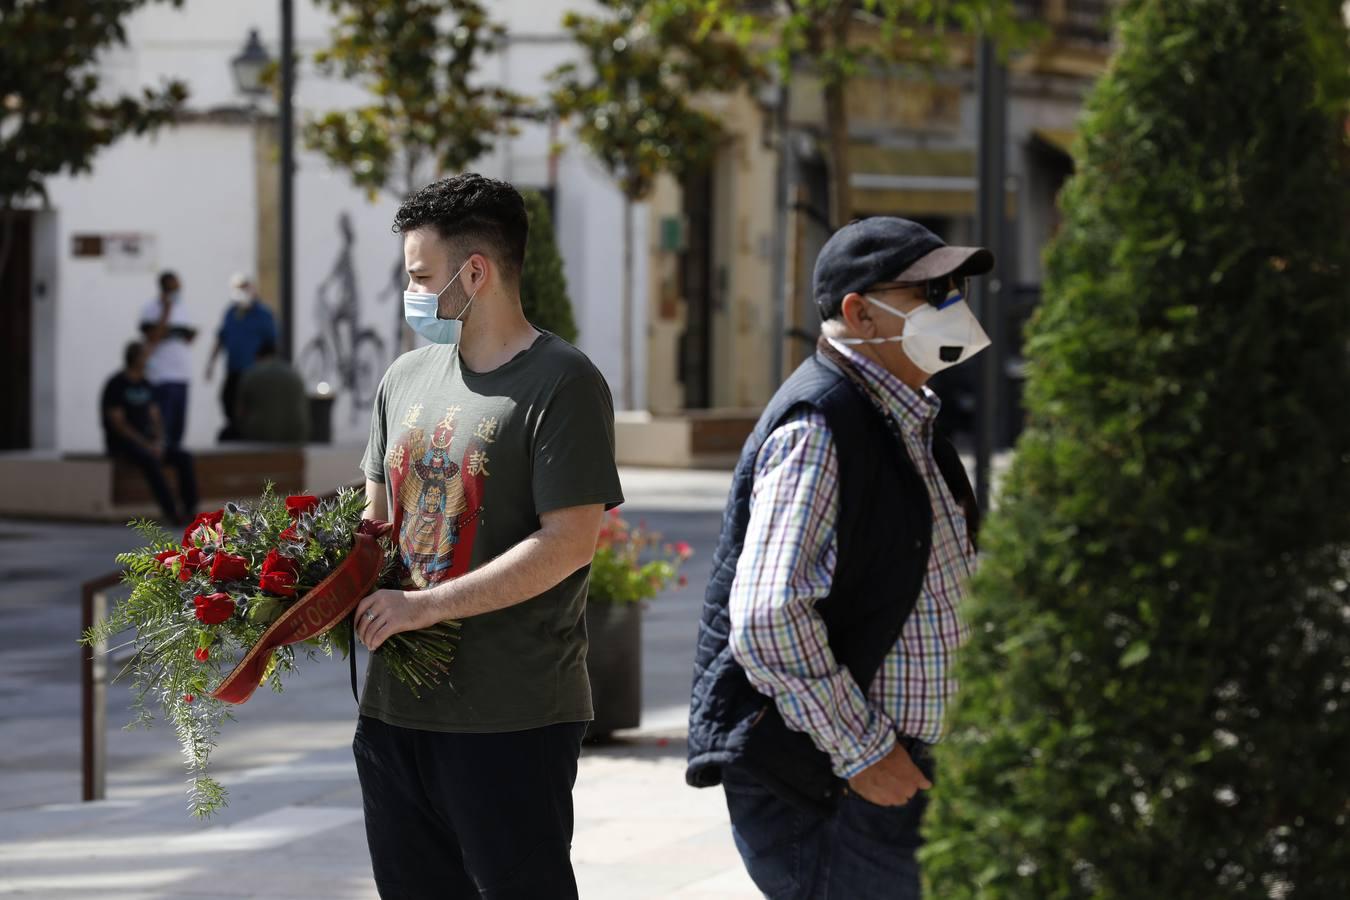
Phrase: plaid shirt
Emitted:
{"points": [[788, 564]]}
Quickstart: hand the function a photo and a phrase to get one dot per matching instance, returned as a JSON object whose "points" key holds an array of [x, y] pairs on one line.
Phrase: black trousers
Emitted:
{"points": [[229, 393], [153, 471], [469, 815]]}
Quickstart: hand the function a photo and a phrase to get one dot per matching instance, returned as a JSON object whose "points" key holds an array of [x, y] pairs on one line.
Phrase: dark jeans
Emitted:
{"points": [[153, 470], [171, 397], [229, 393], [860, 852], [469, 815]]}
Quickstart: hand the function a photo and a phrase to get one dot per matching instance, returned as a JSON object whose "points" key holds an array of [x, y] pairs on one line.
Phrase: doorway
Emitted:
{"points": [[16, 337], [696, 287]]}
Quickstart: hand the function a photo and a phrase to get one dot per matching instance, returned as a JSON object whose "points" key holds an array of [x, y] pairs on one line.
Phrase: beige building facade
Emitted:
{"points": [[720, 336]]}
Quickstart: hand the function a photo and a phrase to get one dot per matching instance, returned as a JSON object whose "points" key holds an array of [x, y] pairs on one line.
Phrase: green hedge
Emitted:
{"points": [[543, 286], [1156, 703]]}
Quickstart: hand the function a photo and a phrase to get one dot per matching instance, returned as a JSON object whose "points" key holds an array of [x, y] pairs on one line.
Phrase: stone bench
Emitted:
{"points": [[88, 486]]}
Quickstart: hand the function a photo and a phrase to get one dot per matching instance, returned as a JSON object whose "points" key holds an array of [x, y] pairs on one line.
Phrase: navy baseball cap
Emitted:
{"points": [[883, 249]]}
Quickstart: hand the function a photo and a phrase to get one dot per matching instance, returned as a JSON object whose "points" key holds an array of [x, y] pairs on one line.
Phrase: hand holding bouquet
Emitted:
{"points": [[245, 587]]}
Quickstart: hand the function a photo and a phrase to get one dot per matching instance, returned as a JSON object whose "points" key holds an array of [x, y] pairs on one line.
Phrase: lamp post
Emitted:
{"points": [[248, 69], [993, 103]]}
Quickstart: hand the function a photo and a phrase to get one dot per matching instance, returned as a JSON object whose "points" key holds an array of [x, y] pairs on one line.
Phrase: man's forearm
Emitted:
{"points": [[130, 434], [528, 569]]}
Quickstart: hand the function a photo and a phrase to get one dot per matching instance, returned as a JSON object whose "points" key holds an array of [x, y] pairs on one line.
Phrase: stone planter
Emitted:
{"points": [[614, 662]]}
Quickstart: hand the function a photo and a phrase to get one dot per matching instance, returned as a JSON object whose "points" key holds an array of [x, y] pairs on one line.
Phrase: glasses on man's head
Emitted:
{"points": [[937, 291]]}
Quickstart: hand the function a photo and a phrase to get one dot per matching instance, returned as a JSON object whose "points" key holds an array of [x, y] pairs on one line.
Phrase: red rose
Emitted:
{"points": [[210, 520], [299, 504], [280, 583], [188, 698], [279, 574], [228, 567], [684, 581], [202, 654], [289, 534], [275, 562], [166, 558], [192, 561], [684, 550], [213, 609]]}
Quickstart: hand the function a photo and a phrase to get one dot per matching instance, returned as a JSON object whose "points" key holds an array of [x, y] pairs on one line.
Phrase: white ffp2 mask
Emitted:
{"points": [[935, 338]]}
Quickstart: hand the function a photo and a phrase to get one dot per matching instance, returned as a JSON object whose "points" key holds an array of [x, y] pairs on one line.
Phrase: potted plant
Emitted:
{"points": [[631, 565]]}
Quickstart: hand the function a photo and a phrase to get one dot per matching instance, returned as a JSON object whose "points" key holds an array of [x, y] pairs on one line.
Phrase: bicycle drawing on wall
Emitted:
{"points": [[343, 354]]}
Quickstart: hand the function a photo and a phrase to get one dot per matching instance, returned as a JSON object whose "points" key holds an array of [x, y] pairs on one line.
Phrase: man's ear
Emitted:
{"points": [[857, 315], [478, 270]]}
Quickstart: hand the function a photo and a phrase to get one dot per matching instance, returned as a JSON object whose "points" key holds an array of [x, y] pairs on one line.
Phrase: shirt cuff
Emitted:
{"points": [[870, 752]]}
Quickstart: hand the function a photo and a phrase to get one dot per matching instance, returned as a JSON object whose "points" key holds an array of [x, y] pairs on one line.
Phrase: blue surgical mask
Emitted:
{"points": [[419, 311]]}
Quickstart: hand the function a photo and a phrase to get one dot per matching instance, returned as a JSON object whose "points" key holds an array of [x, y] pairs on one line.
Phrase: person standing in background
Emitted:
{"points": [[247, 326], [168, 333], [271, 406]]}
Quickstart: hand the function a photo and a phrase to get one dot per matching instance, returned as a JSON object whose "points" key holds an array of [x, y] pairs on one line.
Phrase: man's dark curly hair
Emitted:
{"points": [[475, 215]]}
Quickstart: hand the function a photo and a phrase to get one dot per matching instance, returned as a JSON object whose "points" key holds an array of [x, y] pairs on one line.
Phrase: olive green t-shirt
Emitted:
{"points": [[469, 462]]}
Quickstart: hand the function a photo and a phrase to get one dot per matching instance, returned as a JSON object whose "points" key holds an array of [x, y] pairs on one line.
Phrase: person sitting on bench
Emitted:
{"points": [[133, 431]]}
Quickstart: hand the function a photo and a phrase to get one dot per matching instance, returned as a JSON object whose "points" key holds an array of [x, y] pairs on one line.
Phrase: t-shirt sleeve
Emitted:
{"points": [[372, 464], [573, 452], [112, 398]]}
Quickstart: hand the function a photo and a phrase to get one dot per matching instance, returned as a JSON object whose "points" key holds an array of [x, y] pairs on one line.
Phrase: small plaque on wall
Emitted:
{"points": [[86, 245]]}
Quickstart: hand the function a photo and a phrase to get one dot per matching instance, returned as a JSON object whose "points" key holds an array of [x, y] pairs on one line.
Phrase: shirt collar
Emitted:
{"points": [[913, 410]]}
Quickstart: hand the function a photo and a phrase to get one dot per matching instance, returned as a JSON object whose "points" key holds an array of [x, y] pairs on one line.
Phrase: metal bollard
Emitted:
{"points": [[94, 690]]}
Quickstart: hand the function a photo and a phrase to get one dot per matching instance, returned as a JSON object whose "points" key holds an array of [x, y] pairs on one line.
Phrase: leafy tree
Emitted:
{"points": [[543, 285], [54, 115], [428, 111], [632, 102], [418, 59], [1155, 702], [841, 39]]}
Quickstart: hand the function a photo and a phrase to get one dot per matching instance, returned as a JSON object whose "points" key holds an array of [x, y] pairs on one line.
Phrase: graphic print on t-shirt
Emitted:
{"points": [[439, 499]]}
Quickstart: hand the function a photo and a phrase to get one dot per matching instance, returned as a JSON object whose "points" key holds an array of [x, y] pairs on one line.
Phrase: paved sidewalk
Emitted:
{"points": [[293, 830], [293, 827]]}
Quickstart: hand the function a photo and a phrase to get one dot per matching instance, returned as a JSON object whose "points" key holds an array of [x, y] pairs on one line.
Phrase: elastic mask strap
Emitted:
{"points": [[452, 281], [899, 338]]}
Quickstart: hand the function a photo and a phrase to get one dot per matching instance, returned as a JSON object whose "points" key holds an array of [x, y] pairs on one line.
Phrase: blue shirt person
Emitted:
{"points": [[247, 325]]}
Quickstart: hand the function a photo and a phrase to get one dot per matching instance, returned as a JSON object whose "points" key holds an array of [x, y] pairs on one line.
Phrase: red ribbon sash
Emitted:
{"points": [[313, 614]]}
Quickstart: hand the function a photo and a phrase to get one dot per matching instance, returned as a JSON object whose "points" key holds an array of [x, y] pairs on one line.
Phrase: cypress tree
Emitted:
{"points": [[543, 286], [1156, 702]]}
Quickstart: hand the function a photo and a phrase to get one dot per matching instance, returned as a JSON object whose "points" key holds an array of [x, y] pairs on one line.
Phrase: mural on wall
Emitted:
{"points": [[398, 282], [344, 355]]}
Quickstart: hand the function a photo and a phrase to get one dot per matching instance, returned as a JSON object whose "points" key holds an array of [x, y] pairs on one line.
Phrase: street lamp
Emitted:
{"points": [[248, 69], [249, 66]]}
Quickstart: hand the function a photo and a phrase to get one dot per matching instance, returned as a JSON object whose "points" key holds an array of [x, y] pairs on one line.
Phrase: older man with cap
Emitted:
{"points": [[824, 654], [247, 326]]}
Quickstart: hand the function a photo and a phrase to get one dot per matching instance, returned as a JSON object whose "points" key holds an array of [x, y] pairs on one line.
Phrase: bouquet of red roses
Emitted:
{"points": [[224, 610]]}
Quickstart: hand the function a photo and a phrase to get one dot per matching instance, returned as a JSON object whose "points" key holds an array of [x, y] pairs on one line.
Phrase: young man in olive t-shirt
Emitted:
{"points": [[492, 453]]}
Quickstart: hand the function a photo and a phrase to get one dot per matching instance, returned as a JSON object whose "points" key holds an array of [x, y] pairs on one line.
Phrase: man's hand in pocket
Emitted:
{"points": [[891, 782]]}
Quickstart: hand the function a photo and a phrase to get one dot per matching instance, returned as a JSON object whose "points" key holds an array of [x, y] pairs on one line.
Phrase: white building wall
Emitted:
{"points": [[193, 190], [187, 189]]}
